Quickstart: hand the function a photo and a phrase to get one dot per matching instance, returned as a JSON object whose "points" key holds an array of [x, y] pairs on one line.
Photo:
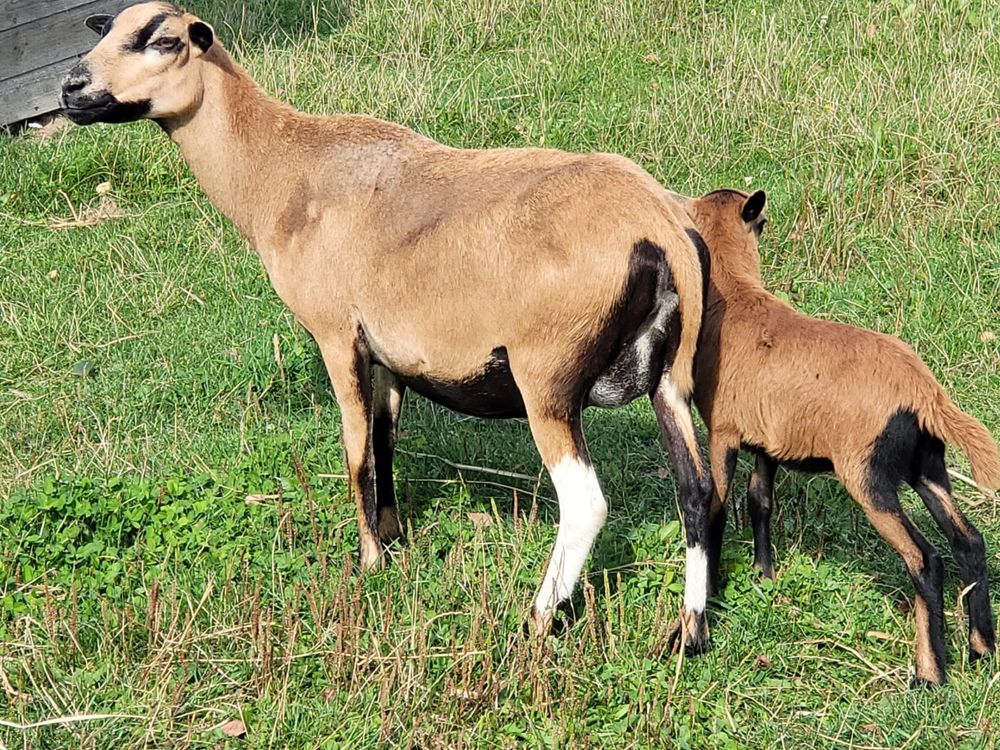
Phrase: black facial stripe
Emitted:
{"points": [[141, 38]]}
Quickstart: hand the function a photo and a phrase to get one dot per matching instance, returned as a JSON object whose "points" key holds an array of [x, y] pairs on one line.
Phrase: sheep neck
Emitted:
{"points": [[237, 143], [736, 274]]}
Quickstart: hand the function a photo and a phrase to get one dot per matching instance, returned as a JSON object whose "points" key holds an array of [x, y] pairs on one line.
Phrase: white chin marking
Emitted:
{"points": [[582, 510], [696, 580]]}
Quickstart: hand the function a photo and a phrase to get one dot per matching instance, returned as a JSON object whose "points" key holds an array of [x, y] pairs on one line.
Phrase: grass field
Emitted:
{"points": [[176, 545]]}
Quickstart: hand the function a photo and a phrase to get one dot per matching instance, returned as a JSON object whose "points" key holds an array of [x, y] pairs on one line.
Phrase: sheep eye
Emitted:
{"points": [[165, 43]]}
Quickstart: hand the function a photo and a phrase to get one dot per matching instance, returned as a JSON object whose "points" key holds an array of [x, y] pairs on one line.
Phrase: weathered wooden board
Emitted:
{"points": [[39, 42], [33, 93], [18, 12]]}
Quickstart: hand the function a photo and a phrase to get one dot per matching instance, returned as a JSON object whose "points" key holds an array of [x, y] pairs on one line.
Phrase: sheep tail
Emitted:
{"points": [[951, 424]]}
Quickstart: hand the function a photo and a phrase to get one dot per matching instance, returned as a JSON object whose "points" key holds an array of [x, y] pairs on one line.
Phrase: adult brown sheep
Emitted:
{"points": [[501, 283]]}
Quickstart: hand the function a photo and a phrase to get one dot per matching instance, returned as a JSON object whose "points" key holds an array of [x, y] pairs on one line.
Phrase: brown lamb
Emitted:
{"points": [[818, 395]]}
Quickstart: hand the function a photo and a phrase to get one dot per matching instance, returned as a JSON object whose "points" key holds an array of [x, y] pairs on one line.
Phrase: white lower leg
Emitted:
{"points": [[696, 579], [582, 510]]}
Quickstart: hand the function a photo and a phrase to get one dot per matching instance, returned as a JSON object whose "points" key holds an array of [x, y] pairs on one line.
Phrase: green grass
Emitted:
{"points": [[135, 579]]}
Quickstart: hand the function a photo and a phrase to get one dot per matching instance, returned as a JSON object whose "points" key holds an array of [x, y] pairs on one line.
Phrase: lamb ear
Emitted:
{"points": [[201, 35], [98, 23], [754, 206]]}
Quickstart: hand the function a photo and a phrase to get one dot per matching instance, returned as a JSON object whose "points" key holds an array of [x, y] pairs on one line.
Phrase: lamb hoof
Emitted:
{"points": [[371, 557], [923, 683], [980, 645], [978, 656], [389, 528]]}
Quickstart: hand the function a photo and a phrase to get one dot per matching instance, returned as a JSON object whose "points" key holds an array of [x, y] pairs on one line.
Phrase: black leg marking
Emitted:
{"points": [[926, 570], [383, 444], [967, 546], [387, 399], [361, 463], [716, 532], [696, 493], [760, 499], [893, 458], [722, 454]]}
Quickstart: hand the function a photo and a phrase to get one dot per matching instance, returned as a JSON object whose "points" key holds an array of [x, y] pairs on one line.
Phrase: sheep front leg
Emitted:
{"points": [[723, 449], [348, 365], [760, 499], [387, 398], [703, 520]]}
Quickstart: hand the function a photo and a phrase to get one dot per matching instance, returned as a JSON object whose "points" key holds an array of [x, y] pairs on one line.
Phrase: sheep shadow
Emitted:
{"points": [[816, 517], [438, 446], [813, 513]]}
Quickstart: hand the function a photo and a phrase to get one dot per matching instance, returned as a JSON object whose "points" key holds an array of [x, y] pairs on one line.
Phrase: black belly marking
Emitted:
{"points": [[809, 465], [492, 393]]}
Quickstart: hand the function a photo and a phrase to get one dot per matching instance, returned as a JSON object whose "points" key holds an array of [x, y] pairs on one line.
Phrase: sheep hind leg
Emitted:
{"points": [[760, 502], [559, 437], [387, 400], [702, 518], [879, 498], [934, 488]]}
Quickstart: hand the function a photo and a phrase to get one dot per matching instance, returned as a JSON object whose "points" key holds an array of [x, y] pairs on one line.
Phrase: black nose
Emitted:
{"points": [[76, 79]]}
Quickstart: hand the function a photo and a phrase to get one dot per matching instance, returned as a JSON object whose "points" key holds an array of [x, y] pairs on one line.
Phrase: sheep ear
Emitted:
{"points": [[754, 206], [99, 23], [201, 35]]}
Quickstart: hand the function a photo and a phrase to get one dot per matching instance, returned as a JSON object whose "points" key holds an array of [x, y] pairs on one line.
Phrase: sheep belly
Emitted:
{"points": [[491, 393]]}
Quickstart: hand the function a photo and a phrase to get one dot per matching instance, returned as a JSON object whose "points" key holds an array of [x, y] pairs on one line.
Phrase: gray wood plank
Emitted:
{"points": [[33, 93], [34, 45], [17, 12]]}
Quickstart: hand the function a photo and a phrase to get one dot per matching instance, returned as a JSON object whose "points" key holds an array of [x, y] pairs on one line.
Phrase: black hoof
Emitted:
{"points": [[975, 656], [982, 642], [694, 627], [698, 641], [765, 569], [555, 624]]}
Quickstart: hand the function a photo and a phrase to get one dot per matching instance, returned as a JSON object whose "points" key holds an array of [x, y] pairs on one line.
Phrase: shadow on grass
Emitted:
{"points": [[814, 513], [432, 436], [815, 516]]}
